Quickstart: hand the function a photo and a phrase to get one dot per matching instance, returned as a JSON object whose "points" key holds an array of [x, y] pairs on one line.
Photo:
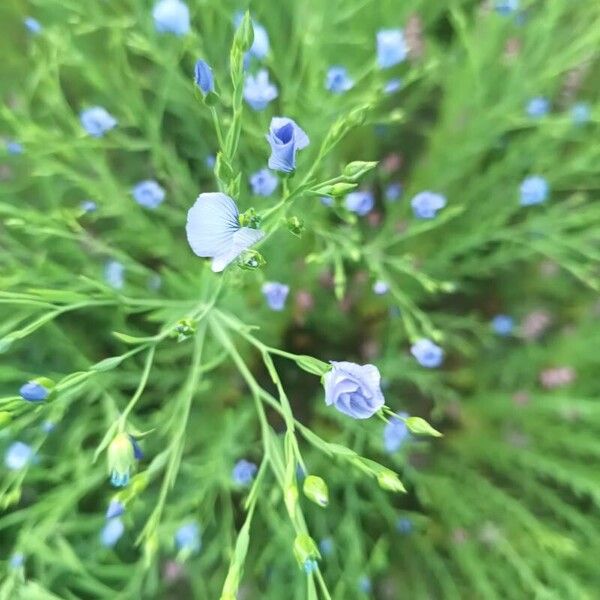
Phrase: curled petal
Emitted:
{"points": [[241, 240]]}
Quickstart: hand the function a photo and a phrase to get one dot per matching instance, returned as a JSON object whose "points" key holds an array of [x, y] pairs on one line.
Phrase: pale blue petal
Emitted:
{"points": [[241, 240]]}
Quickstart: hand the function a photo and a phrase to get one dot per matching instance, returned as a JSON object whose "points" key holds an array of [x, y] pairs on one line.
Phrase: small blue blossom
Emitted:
{"points": [[391, 47], [88, 206], [533, 190], [506, 7], [112, 532], [115, 509], [425, 205], [310, 566], [97, 121], [203, 77], [187, 538], [538, 107], [148, 193], [243, 472], [361, 202], [326, 546], [48, 426], [327, 201], [263, 182], [32, 25], [338, 81], [427, 353], [119, 479], [258, 90], [210, 161], [404, 526], [381, 287], [18, 455], [114, 274], [171, 16], [365, 585], [285, 139], [354, 390], [14, 148], [275, 294], [213, 230], [581, 113], [503, 324], [393, 192], [392, 86], [17, 560], [32, 391], [395, 433]]}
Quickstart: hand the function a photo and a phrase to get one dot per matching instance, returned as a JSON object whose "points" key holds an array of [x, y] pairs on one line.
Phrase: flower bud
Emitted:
{"points": [[291, 500], [251, 260], [315, 489], [121, 459], [244, 36], [5, 418], [250, 219], [184, 329], [388, 480], [296, 226], [337, 189], [355, 170], [203, 77], [305, 550], [37, 390]]}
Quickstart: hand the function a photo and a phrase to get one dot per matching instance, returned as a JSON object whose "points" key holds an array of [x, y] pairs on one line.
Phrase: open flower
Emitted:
{"points": [[354, 390], [503, 324], [275, 294], [538, 107], [533, 190], [395, 433], [391, 47], [18, 455], [171, 16], [338, 81], [427, 353], [258, 90], [426, 204], [361, 202], [114, 274], [243, 472], [213, 230], [97, 121], [148, 193], [187, 538], [263, 182], [285, 139], [32, 25]]}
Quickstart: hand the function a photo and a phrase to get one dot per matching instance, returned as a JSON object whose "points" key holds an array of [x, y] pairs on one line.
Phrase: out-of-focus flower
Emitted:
{"points": [[426, 204], [413, 32], [427, 353], [275, 294], [34, 391], [171, 16], [538, 107], [354, 390], [533, 190], [395, 433], [210, 161], [392, 86], [503, 324], [285, 139], [360, 202], [258, 90], [148, 193], [203, 77], [506, 7], [326, 546], [88, 206], [114, 274], [187, 538], [392, 162], [535, 324], [404, 526], [32, 25], [557, 377], [14, 148], [263, 182], [115, 509], [581, 113], [393, 191], [364, 584], [16, 560], [97, 121], [338, 81], [18, 455], [112, 532], [391, 47], [243, 472], [381, 287]]}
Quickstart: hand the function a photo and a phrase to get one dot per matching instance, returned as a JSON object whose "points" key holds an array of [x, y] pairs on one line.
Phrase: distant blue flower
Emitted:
{"points": [[16, 560], [285, 139], [391, 47], [361, 202], [111, 532], [364, 584], [503, 324], [354, 390], [148, 193], [381, 287], [32, 391], [263, 182], [395, 433], [213, 230], [171, 16], [538, 107], [338, 81], [203, 76], [425, 205], [258, 90], [260, 45], [533, 190], [506, 7], [243, 472], [48, 426], [310, 566], [392, 86], [14, 148], [97, 121], [18, 455], [119, 479], [88, 206], [114, 272], [404, 525], [326, 546], [581, 113], [275, 294], [393, 192], [326, 200], [187, 538], [210, 161], [32, 25], [427, 353], [115, 509]]}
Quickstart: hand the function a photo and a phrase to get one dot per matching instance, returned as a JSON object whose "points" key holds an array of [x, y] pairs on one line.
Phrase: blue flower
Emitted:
{"points": [[203, 76], [360, 203], [310, 566], [427, 353], [148, 193], [538, 107], [393, 85], [503, 324], [114, 274], [533, 190], [338, 80], [380, 287], [426, 204], [364, 584], [326, 546], [243, 472], [581, 113], [111, 532], [18, 455], [391, 47], [506, 7], [263, 182], [32, 25], [393, 192], [16, 560], [354, 390], [187, 538], [97, 121], [327, 201], [210, 161], [115, 509], [48, 426], [285, 139], [213, 230], [258, 90], [32, 391], [404, 525], [171, 16], [395, 433], [14, 148], [275, 294], [88, 206]]}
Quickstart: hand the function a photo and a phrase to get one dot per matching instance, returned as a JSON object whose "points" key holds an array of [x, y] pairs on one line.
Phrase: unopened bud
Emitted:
{"points": [[296, 226], [355, 170], [388, 480], [305, 549], [251, 260], [315, 489]]}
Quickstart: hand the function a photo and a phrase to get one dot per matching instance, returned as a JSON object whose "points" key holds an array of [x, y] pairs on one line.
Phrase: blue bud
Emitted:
{"points": [[203, 76]]}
